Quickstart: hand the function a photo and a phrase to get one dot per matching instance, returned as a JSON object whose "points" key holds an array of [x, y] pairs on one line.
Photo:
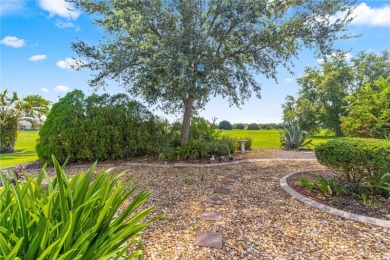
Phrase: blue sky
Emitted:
{"points": [[36, 36]]}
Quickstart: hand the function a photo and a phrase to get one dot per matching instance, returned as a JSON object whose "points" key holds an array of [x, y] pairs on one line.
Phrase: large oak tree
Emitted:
{"points": [[177, 53]]}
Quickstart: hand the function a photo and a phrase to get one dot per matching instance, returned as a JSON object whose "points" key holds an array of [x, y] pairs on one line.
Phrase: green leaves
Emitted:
{"points": [[176, 54], [357, 161], [292, 137], [70, 218]]}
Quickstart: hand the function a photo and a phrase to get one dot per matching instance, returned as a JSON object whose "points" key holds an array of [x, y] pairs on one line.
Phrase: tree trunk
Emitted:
{"points": [[185, 128]]}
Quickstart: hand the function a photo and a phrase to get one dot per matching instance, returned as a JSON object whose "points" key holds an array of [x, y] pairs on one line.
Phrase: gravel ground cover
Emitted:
{"points": [[259, 220]]}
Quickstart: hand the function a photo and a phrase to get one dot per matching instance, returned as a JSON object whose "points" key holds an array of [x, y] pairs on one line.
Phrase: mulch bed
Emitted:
{"points": [[344, 202]]}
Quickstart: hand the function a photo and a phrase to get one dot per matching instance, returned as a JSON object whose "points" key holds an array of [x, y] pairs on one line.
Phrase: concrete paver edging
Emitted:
{"points": [[331, 210]]}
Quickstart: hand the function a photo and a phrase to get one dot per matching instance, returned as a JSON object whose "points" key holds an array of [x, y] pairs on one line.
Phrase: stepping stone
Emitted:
{"points": [[227, 182], [215, 201], [234, 177], [222, 190], [211, 216], [208, 239]]}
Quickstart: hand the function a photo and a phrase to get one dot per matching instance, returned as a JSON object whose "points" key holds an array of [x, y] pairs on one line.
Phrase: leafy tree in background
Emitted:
{"points": [[225, 125], [176, 54], [322, 97], [253, 126], [369, 111], [239, 126], [12, 110]]}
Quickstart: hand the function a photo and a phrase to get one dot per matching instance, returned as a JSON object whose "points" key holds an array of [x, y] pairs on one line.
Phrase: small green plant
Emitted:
{"points": [[292, 137], [189, 182], [369, 202], [194, 149], [305, 182], [74, 217], [326, 186]]}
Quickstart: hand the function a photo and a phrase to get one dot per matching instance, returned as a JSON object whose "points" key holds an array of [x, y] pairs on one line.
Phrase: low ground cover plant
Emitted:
{"points": [[71, 217]]}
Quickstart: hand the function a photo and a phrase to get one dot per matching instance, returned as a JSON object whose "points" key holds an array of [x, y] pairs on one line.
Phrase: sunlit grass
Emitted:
{"points": [[25, 150], [270, 138]]}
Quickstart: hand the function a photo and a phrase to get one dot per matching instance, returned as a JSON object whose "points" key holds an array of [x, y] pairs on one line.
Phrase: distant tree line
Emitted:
{"points": [[226, 125]]}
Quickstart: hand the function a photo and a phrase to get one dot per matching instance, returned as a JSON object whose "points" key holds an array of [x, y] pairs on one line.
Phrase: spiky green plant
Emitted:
{"points": [[71, 217], [292, 137]]}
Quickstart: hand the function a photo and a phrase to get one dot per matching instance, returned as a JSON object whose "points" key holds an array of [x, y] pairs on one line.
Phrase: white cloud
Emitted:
{"points": [[366, 15], [45, 90], [60, 8], [347, 56], [62, 24], [12, 41], [37, 57], [66, 24], [289, 80], [10, 6], [61, 89], [70, 64]]}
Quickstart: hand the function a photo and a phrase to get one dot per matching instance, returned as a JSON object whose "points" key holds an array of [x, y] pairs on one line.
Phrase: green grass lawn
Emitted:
{"points": [[270, 138], [25, 150]]}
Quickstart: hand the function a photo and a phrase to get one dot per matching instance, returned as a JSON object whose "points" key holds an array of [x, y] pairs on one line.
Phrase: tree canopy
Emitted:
{"points": [[327, 91], [176, 54]]}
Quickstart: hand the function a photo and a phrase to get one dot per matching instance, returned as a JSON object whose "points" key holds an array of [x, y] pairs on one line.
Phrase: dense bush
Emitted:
{"points": [[239, 126], [360, 163], [99, 128], [71, 218], [253, 126], [369, 111], [201, 129], [225, 125]]}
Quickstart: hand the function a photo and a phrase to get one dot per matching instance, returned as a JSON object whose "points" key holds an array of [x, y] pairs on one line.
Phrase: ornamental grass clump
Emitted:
{"points": [[71, 217]]}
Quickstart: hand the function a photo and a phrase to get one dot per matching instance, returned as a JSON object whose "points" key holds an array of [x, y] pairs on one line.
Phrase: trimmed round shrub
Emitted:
{"points": [[253, 126], [225, 125], [358, 161]]}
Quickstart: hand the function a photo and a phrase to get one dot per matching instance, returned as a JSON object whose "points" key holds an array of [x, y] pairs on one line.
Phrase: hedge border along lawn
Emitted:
{"points": [[25, 150], [271, 138]]}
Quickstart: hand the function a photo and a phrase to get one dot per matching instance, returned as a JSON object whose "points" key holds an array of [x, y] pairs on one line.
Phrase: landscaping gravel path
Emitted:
{"points": [[257, 219]]}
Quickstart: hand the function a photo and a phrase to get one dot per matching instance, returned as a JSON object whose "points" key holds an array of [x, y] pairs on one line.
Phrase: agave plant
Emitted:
{"points": [[71, 218], [292, 137]]}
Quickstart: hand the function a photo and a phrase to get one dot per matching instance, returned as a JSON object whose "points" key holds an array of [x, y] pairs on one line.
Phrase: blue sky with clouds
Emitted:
{"points": [[35, 55]]}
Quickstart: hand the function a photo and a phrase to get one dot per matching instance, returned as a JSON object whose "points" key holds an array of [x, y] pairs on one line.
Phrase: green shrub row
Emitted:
{"points": [[99, 128], [360, 163]]}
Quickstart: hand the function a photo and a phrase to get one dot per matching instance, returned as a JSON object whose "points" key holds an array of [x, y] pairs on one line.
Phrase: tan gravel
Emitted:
{"points": [[259, 219]]}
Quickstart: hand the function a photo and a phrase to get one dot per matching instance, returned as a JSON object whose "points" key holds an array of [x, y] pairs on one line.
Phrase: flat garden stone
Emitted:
{"points": [[222, 190], [234, 177], [215, 201], [208, 239], [227, 182], [211, 216]]}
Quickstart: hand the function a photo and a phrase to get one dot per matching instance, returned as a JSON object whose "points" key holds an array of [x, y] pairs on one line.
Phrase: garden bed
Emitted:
{"points": [[379, 207]]}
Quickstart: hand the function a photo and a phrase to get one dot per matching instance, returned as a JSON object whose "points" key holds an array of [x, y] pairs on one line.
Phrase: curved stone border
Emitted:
{"points": [[178, 165], [331, 210]]}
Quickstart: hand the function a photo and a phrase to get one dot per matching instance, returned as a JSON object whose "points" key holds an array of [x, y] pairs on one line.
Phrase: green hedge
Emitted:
{"points": [[99, 128], [356, 160]]}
